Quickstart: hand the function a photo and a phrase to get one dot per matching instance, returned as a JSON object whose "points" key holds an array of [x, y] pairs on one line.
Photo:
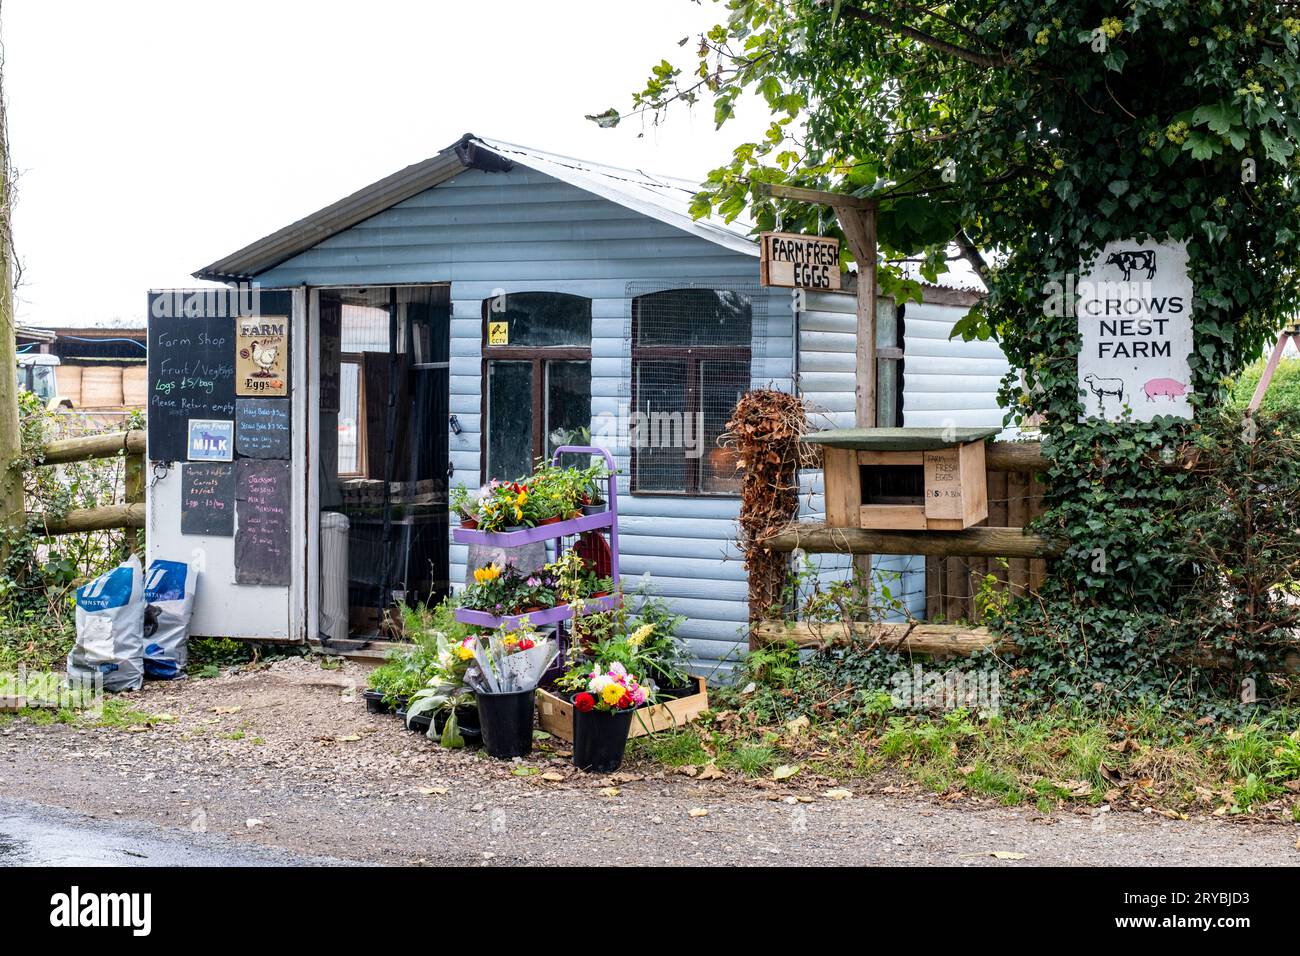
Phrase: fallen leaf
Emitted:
{"points": [[839, 793], [699, 812], [554, 776], [433, 791], [1111, 774], [163, 718], [798, 725], [136, 729], [347, 738], [1146, 783], [524, 771], [227, 710], [610, 792], [252, 822], [785, 771], [710, 772], [1006, 855]]}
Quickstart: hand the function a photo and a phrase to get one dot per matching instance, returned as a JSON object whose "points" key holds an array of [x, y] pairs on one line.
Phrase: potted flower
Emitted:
{"points": [[602, 717], [465, 505], [444, 707], [591, 484], [503, 507], [507, 667]]}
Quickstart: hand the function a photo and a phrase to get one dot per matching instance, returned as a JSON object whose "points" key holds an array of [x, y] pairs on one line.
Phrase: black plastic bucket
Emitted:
{"points": [[507, 723], [599, 739]]}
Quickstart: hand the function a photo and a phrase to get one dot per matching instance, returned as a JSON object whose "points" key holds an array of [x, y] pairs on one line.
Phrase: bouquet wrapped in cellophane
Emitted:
{"points": [[508, 662]]}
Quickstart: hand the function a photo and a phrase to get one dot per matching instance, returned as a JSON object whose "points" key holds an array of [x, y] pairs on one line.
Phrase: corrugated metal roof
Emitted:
{"points": [[664, 198]]}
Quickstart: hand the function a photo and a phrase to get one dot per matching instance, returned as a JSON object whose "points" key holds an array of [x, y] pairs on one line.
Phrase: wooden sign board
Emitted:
{"points": [[208, 499], [263, 550], [191, 375], [263, 428], [1134, 311], [262, 356], [792, 261]]}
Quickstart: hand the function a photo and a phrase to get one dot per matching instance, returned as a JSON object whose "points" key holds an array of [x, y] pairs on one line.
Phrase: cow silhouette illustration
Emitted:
{"points": [[1163, 388], [1101, 387], [1129, 260]]}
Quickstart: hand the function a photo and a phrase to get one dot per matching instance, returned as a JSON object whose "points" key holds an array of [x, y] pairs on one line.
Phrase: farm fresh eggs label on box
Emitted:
{"points": [[1134, 308]]}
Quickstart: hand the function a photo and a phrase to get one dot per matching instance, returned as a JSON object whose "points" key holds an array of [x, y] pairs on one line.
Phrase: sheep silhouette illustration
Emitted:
{"points": [[1101, 387]]}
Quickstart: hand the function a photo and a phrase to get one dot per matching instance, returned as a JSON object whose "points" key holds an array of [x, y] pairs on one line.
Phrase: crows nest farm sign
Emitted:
{"points": [[789, 260], [1134, 309]]}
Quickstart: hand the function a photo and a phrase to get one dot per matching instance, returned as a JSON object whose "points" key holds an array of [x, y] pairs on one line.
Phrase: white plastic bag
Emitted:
{"points": [[169, 598], [110, 629]]}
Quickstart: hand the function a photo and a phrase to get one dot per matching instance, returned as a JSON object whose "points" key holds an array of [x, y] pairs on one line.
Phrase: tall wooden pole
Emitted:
{"points": [[859, 226], [11, 479]]}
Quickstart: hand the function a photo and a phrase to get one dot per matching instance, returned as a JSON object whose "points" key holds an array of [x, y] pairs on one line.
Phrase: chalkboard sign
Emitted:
{"points": [[262, 428], [191, 375], [262, 541], [208, 499]]}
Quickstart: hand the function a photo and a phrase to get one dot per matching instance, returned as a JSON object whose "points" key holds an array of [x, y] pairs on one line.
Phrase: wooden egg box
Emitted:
{"points": [[905, 479]]}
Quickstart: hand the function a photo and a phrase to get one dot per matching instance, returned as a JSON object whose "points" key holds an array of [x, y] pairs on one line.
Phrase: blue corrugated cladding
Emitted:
{"points": [[522, 231]]}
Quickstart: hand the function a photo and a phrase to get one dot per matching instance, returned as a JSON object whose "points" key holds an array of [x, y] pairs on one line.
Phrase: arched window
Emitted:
{"points": [[691, 352], [536, 378]]}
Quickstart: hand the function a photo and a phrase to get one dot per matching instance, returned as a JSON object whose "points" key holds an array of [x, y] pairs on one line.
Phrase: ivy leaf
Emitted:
{"points": [[1275, 147]]}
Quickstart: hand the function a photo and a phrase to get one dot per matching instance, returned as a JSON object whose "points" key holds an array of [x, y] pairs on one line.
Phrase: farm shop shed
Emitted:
{"points": [[503, 301]]}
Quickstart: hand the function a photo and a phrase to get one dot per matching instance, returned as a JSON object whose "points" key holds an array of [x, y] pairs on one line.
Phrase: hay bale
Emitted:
{"points": [[101, 386], [135, 390]]}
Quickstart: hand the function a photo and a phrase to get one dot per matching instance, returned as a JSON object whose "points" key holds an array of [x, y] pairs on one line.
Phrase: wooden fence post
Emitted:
{"points": [[11, 478]]}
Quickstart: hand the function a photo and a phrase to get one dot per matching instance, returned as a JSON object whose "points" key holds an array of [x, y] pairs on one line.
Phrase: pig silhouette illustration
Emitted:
{"points": [[1164, 388]]}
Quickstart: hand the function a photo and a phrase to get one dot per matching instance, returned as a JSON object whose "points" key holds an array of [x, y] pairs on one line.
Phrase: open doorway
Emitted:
{"points": [[384, 392]]}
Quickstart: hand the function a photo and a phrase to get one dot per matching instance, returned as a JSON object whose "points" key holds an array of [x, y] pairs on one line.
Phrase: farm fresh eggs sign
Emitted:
{"points": [[1134, 308]]}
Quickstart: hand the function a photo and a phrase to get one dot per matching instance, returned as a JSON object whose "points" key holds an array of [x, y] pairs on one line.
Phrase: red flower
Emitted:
{"points": [[527, 644], [584, 702], [626, 701]]}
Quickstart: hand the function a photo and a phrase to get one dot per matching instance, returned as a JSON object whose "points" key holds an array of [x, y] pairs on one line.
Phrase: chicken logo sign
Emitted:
{"points": [[263, 356], [1134, 307]]}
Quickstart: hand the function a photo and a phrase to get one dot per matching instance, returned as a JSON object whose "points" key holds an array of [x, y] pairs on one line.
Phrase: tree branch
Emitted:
{"points": [[943, 46], [972, 255]]}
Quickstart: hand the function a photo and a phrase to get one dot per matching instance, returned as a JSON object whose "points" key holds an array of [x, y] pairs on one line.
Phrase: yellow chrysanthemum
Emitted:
{"points": [[612, 694], [489, 572], [464, 653]]}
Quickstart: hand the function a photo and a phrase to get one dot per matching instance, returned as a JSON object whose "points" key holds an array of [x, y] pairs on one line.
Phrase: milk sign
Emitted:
{"points": [[1135, 330]]}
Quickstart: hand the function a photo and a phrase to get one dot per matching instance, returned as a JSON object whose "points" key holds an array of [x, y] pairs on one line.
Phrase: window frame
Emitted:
{"points": [[355, 359], [693, 356], [539, 356]]}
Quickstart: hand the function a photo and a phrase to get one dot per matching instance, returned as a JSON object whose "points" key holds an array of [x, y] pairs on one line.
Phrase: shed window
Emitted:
{"points": [[536, 379], [691, 352]]}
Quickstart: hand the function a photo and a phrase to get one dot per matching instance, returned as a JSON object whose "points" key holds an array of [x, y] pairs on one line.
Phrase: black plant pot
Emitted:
{"points": [[688, 689], [375, 702], [599, 739], [506, 721], [595, 508], [467, 718]]}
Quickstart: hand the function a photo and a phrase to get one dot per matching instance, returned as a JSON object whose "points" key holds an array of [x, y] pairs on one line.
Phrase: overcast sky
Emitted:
{"points": [[152, 137]]}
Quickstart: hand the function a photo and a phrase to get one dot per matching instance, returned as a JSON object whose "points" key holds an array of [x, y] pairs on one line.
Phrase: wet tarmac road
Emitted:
{"points": [[34, 835]]}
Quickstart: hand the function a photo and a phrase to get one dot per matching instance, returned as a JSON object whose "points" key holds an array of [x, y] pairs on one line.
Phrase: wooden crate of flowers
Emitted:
{"points": [[555, 713]]}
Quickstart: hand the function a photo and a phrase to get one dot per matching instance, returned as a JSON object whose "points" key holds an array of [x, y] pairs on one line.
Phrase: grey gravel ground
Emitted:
{"points": [[286, 757]]}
